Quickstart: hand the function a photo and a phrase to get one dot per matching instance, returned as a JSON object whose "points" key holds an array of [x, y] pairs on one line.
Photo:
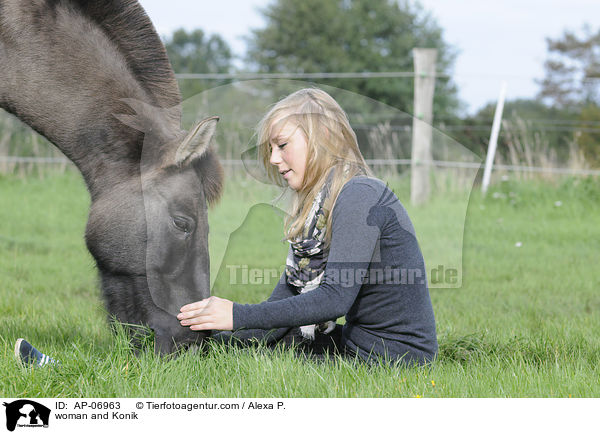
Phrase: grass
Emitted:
{"points": [[524, 323]]}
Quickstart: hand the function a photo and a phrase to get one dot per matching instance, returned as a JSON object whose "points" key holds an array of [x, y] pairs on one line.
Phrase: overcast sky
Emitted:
{"points": [[495, 40]]}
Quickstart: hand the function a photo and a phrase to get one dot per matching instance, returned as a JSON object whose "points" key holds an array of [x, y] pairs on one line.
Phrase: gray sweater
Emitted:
{"points": [[375, 277]]}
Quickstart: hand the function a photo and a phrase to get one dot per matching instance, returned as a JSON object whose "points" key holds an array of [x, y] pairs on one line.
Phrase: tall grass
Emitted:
{"points": [[527, 146]]}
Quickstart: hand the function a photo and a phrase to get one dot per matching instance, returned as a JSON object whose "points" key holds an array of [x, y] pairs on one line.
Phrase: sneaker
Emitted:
{"points": [[30, 356]]}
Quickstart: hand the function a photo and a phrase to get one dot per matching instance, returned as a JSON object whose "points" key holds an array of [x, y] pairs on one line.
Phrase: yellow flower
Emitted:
{"points": [[417, 396], [433, 383], [303, 262]]}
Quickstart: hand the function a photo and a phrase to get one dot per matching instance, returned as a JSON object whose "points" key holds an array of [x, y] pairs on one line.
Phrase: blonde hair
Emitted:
{"points": [[332, 146]]}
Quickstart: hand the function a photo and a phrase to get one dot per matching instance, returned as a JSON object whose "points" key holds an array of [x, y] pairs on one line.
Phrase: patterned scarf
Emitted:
{"points": [[307, 259]]}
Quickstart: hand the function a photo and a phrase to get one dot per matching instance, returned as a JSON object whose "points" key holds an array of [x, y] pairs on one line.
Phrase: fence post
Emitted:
{"points": [[421, 157], [491, 153]]}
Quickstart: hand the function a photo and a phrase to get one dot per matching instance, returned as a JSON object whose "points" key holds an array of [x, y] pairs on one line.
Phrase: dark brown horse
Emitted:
{"points": [[93, 77]]}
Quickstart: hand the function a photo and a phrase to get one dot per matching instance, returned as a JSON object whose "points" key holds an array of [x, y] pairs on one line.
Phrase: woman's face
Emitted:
{"points": [[289, 151]]}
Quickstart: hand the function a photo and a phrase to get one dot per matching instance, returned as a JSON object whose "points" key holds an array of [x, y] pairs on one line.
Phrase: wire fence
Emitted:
{"points": [[10, 162], [370, 162]]}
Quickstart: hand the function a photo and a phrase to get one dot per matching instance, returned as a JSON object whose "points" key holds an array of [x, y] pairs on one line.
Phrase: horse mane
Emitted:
{"points": [[126, 24], [71, 67]]}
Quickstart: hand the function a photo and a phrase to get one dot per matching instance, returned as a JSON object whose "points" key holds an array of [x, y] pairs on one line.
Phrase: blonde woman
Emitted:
{"points": [[353, 250]]}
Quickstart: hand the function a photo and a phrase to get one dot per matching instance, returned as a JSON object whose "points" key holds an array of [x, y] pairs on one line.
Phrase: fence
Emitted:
{"points": [[28, 164], [5, 160]]}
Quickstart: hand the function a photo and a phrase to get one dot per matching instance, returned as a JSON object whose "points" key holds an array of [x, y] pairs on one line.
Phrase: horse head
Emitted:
{"points": [[150, 230]]}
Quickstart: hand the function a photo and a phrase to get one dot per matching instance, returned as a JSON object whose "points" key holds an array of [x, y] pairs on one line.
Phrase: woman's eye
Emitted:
{"points": [[283, 145], [182, 224]]}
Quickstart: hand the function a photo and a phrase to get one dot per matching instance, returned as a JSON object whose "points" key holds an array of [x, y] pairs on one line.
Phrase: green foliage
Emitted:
{"points": [[353, 36], [565, 114], [195, 52], [524, 324], [572, 83], [555, 123], [573, 69], [588, 137]]}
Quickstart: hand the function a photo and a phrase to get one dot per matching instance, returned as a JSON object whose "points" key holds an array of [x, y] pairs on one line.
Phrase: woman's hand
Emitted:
{"points": [[212, 313]]}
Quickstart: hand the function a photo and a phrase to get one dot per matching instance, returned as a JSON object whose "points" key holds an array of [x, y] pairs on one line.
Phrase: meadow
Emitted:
{"points": [[525, 322]]}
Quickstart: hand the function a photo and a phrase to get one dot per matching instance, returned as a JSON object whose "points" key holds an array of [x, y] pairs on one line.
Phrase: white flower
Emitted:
{"points": [[558, 203], [518, 244]]}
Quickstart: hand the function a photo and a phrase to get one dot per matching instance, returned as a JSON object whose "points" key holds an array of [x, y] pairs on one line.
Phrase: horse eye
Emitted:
{"points": [[182, 224]]}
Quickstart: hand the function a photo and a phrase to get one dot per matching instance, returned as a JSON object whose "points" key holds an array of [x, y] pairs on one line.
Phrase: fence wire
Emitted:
{"points": [[370, 162]]}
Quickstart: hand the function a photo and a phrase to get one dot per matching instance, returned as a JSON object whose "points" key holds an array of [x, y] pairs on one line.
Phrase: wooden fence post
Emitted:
{"points": [[424, 61]]}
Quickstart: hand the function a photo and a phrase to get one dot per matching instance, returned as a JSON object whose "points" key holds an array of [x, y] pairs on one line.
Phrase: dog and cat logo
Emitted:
{"points": [[26, 413]]}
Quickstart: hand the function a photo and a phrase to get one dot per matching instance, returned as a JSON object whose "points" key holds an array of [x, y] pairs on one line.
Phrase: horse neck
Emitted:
{"points": [[65, 75]]}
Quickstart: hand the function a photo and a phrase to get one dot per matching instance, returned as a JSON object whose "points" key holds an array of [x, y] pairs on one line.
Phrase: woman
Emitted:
{"points": [[353, 250]]}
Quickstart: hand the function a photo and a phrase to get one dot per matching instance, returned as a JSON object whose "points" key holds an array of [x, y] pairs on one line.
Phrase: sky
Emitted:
{"points": [[495, 40]]}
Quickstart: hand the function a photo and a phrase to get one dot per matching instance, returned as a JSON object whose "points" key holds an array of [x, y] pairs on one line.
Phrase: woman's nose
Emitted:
{"points": [[275, 156]]}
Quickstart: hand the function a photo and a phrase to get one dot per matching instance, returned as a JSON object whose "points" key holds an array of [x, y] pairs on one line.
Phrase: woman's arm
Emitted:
{"points": [[282, 290], [219, 313], [352, 246], [353, 243]]}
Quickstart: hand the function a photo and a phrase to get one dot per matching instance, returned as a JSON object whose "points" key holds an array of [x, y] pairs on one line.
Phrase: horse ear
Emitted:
{"points": [[162, 123], [197, 141]]}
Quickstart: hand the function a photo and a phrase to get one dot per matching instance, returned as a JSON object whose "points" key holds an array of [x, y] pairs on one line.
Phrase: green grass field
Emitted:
{"points": [[524, 323]]}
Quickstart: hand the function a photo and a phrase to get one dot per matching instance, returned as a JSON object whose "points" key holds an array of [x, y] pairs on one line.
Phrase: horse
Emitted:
{"points": [[95, 80]]}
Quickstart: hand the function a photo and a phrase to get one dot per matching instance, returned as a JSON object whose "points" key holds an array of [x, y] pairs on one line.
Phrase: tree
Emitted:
{"points": [[352, 36], [572, 83], [572, 69], [194, 52]]}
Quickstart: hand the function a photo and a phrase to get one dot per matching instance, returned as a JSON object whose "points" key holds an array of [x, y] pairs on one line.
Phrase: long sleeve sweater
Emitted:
{"points": [[375, 277]]}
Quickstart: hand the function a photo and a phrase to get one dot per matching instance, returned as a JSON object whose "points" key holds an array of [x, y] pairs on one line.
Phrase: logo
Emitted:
{"points": [[26, 413]]}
